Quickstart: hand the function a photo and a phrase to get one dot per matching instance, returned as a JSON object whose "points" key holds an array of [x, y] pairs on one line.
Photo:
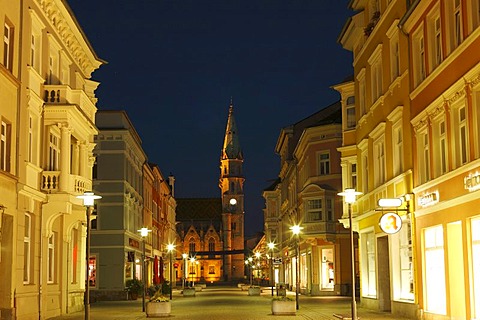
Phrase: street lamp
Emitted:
{"points": [[271, 246], [249, 263], [170, 248], [350, 196], [144, 233], [296, 232], [88, 201], [184, 276]]}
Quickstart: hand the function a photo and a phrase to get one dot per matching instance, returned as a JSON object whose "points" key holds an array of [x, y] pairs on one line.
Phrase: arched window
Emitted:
{"points": [[211, 247], [191, 245]]}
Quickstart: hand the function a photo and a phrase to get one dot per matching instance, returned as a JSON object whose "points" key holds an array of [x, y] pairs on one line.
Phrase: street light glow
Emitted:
{"points": [[170, 247], [350, 195], [296, 229]]}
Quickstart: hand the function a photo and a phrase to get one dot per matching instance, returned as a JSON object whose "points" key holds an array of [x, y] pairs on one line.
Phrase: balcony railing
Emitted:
{"points": [[76, 184], [64, 95]]}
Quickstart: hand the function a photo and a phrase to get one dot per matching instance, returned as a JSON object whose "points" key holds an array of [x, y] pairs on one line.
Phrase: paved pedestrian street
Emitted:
{"points": [[229, 303]]}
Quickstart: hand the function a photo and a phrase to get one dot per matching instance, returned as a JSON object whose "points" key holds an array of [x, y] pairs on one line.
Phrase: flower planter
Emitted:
{"points": [[245, 287], [198, 287], [158, 309], [189, 292], [252, 291], [284, 307]]}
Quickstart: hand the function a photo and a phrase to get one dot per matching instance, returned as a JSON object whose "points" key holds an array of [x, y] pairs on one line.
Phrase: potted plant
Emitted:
{"points": [[158, 306], [284, 305], [254, 291], [134, 288]]}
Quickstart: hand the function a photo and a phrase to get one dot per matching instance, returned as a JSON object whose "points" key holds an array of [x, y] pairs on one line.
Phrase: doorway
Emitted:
{"points": [[383, 256]]}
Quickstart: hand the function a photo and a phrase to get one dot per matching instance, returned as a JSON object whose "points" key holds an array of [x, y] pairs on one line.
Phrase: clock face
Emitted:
{"points": [[233, 201]]}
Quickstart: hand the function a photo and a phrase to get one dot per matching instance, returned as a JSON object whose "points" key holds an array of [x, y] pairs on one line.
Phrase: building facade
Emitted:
{"points": [[377, 155], [211, 230], [444, 71], [305, 194], [47, 140]]}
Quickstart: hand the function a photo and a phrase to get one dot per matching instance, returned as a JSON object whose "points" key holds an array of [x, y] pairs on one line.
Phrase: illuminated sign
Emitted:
{"points": [[390, 203], [472, 181], [428, 199], [390, 223]]}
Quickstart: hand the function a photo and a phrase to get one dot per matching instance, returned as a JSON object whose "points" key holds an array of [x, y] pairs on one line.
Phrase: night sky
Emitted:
{"points": [[174, 65]]}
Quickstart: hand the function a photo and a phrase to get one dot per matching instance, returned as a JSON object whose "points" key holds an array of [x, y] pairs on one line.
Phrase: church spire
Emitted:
{"points": [[231, 145]]}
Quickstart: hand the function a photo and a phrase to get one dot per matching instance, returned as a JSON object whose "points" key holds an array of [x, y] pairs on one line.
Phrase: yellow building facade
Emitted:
{"points": [[47, 131], [445, 112], [377, 153]]}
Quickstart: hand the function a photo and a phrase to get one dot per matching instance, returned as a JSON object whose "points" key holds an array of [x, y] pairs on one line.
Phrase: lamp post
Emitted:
{"points": [[258, 256], [349, 196], [170, 248], [144, 233], [88, 201], [271, 246], [184, 256], [296, 232], [250, 259]]}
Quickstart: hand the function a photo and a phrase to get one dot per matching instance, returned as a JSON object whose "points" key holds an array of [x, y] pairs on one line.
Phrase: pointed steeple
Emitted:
{"points": [[231, 145]]}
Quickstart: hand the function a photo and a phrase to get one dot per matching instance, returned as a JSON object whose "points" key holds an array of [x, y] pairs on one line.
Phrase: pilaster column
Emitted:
{"points": [[65, 156]]}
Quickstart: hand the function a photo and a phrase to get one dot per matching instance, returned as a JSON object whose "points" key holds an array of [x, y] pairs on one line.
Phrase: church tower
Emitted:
{"points": [[231, 185]]}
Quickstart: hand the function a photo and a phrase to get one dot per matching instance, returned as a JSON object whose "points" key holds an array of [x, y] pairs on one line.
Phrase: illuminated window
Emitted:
{"points": [[402, 263], [379, 161], [369, 272], [191, 245], [211, 269], [440, 134], [434, 273], [92, 271], [328, 269], [211, 244], [475, 225], [353, 175]]}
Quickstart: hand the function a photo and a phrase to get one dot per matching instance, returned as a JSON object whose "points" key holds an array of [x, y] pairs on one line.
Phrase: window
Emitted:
{"points": [[434, 272], [460, 135], [375, 62], [353, 175], [365, 172], [27, 240], [394, 47], [475, 226], [379, 161], [92, 271], [398, 149], [419, 72], [51, 258], [329, 209], [424, 156], [54, 152], [30, 139], [314, 210], [440, 134], [369, 283], [324, 163], [361, 92], [211, 269], [5, 137], [435, 43], [402, 264], [211, 244], [350, 112], [191, 245], [457, 22], [8, 46]]}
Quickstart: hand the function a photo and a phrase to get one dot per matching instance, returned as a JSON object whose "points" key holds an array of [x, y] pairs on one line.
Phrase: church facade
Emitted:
{"points": [[211, 230]]}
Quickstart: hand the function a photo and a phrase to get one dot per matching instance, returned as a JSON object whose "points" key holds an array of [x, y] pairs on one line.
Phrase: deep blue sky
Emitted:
{"points": [[173, 65]]}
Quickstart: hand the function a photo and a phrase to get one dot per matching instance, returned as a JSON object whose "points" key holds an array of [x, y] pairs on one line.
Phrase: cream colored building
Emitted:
{"points": [[305, 194], [48, 107]]}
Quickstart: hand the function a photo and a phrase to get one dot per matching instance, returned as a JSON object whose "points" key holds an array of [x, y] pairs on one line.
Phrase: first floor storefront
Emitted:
{"points": [[448, 225], [322, 267]]}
